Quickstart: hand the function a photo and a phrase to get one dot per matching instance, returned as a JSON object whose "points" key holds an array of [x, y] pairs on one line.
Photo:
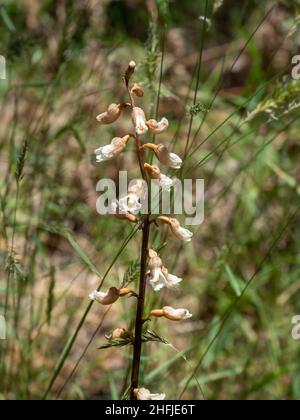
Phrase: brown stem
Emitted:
{"points": [[140, 310], [139, 321]]}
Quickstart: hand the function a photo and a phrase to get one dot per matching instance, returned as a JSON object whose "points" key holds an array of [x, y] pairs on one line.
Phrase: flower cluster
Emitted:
{"points": [[129, 206]]}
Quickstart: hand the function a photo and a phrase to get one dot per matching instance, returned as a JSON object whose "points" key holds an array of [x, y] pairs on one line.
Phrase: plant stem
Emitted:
{"points": [[140, 309]]}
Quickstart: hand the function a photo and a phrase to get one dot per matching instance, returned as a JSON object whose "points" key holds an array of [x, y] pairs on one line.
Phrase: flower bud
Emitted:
{"points": [[137, 90], [130, 70], [118, 333]]}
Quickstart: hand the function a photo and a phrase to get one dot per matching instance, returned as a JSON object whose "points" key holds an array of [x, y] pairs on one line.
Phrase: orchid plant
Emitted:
{"points": [[152, 269]]}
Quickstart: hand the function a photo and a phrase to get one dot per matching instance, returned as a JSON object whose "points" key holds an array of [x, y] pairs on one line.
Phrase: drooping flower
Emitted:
{"points": [[171, 313], [163, 180], [111, 150], [158, 275], [158, 127], [139, 121], [164, 156], [111, 296], [177, 230], [145, 394], [107, 298], [171, 279], [111, 115]]}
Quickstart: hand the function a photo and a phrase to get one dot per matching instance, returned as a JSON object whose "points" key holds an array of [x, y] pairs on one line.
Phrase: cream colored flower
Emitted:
{"points": [[107, 298], [111, 150], [139, 121], [145, 394], [111, 115], [171, 313], [158, 275], [158, 127], [177, 230], [164, 156], [115, 210], [162, 180]]}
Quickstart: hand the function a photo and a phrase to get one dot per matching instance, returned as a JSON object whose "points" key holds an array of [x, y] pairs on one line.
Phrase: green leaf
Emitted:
{"points": [[234, 282]]}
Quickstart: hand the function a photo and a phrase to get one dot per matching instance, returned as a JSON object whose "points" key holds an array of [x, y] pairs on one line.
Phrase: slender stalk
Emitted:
{"points": [[140, 309]]}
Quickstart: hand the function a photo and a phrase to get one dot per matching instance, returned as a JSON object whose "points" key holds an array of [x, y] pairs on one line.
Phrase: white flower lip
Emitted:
{"points": [[144, 394], [176, 314]]}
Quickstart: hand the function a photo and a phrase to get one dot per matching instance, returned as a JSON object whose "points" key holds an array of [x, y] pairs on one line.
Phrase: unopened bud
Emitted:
{"points": [[130, 70], [137, 90]]}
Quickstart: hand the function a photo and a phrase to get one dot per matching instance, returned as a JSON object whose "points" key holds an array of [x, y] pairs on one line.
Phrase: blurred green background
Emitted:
{"points": [[220, 71]]}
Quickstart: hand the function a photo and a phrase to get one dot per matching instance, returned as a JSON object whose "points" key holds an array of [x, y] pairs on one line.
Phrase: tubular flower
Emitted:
{"points": [[111, 296], [107, 298], [145, 394], [158, 127], [139, 121], [164, 156], [118, 333], [171, 313], [111, 150], [137, 90], [163, 180], [177, 230], [111, 115], [158, 275]]}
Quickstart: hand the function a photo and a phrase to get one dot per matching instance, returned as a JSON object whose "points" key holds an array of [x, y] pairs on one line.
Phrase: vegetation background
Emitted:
{"points": [[220, 71]]}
